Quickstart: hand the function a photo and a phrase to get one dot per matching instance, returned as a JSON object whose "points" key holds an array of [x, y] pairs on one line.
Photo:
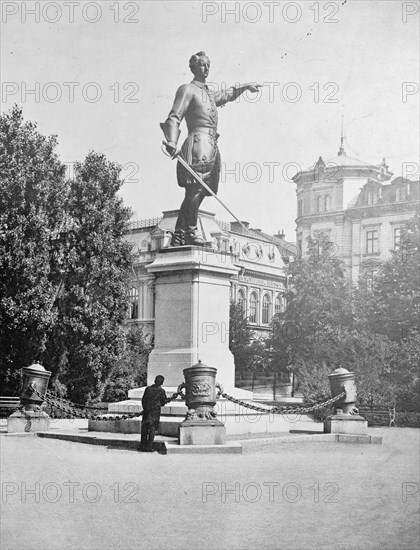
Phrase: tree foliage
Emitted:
{"points": [[240, 337], [389, 302], [318, 298], [250, 353], [65, 263], [327, 325], [32, 209]]}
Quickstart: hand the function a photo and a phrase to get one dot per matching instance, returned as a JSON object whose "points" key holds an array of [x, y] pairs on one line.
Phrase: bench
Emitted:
{"points": [[8, 405], [376, 410]]}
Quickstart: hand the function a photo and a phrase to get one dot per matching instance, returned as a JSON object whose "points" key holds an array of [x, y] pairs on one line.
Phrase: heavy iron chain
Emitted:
{"points": [[284, 410], [69, 403], [87, 415]]}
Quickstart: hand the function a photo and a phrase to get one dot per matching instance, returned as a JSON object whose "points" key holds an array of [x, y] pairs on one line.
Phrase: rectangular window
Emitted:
{"points": [[397, 237], [319, 204], [372, 242], [299, 208]]}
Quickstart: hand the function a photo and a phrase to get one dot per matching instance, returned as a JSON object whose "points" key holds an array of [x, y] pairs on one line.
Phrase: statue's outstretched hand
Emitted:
{"points": [[254, 87]]}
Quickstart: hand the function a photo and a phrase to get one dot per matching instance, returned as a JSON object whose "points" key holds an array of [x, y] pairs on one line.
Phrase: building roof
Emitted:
{"points": [[344, 160]]}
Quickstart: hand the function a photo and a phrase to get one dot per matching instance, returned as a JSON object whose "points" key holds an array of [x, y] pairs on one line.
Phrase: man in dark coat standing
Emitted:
{"points": [[153, 400]]}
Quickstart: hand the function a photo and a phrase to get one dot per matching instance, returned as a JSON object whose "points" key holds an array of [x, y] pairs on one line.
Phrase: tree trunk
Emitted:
{"points": [[275, 386]]}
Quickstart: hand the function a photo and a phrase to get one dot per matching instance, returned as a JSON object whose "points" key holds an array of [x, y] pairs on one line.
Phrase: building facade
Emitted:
{"points": [[358, 206], [259, 287]]}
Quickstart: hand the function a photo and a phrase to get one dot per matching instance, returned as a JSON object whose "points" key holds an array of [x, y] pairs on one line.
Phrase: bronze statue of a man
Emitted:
{"points": [[198, 105]]}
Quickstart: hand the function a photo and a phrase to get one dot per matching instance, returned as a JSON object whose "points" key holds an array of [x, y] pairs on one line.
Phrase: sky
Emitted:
{"points": [[105, 75]]}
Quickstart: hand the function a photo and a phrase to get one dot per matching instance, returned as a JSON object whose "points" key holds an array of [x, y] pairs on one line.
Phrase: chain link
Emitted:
{"points": [[69, 403], [86, 415], [284, 410], [273, 410]]}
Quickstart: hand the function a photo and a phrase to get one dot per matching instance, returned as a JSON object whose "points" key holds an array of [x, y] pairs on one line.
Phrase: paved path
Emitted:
{"points": [[294, 496]]}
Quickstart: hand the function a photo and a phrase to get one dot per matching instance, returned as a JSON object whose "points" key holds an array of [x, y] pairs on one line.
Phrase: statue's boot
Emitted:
{"points": [[178, 238], [192, 237]]}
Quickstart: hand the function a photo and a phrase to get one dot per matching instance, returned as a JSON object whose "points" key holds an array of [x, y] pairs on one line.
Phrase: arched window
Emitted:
{"points": [[266, 310], [241, 300], [278, 304], [134, 303], [253, 307], [327, 202]]}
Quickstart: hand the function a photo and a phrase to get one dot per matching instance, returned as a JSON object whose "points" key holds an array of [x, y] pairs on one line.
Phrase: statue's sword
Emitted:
{"points": [[187, 167]]}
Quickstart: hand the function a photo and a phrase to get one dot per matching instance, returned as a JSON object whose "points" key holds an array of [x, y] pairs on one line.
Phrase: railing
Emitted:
{"points": [[147, 222]]}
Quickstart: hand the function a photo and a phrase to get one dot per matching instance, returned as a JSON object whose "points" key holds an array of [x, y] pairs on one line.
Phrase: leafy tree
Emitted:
{"points": [[391, 303], [373, 359], [318, 299], [250, 353], [131, 370], [65, 263], [32, 209], [240, 337], [88, 339], [325, 326], [319, 295]]}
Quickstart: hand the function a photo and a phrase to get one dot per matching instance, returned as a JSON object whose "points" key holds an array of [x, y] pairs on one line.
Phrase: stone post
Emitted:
{"points": [[31, 417], [201, 426], [346, 418]]}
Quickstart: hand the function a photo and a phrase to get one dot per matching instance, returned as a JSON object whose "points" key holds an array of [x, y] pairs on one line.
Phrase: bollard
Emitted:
{"points": [[201, 426], [200, 384], [36, 377], [341, 379], [346, 419], [31, 418]]}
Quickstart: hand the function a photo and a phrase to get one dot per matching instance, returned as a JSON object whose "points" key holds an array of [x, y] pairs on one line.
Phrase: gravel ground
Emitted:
{"points": [[61, 495]]}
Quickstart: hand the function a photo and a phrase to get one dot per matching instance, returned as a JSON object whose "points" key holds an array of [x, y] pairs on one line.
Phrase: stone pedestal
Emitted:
{"points": [[202, 433], [192, 313], [346, 424], [28, 422]]}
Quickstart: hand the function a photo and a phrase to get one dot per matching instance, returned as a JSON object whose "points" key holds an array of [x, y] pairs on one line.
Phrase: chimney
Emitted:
{"points": [[280, 235]]}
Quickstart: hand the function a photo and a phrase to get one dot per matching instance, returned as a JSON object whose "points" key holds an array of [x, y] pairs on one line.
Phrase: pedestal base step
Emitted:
{"points": [[346, 424], [170, 445], [202, 433], [132, 442], [230, 447], [236, 423], [29, 422]]}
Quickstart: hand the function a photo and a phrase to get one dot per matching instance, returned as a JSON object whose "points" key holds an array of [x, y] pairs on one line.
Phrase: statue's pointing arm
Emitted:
{"points": [[175, 117], [230, 94]]}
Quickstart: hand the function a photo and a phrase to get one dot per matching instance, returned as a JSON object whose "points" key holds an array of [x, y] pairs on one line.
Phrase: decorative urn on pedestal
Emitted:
{"points": [[31, 417], [346, 418], [201, 426]]}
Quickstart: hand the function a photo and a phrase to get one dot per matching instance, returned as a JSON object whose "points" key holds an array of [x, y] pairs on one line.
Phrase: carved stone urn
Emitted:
{"points": [[36, 377], [200, 385], [341, 379], [201, 427]]}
